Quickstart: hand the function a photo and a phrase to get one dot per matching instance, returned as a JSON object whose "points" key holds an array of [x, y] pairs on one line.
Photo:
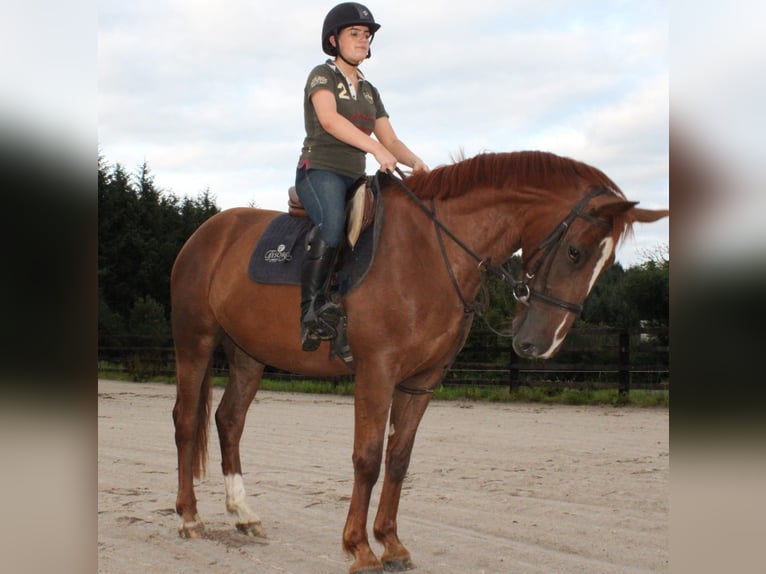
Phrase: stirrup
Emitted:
{"points": [[318, 326], [309, 341], [329, 314], [312, 334], [324, 330]]}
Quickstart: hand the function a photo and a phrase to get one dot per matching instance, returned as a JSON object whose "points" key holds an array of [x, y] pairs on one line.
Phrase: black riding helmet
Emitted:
{"points": [[342, 16]]}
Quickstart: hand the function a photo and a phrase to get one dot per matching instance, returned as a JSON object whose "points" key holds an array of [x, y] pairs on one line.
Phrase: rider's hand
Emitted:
{"points": [[420, 166], [386, 160]]}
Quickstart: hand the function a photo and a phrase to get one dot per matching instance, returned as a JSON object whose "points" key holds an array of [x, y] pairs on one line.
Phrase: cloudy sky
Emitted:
{"points": [[210, 94]]}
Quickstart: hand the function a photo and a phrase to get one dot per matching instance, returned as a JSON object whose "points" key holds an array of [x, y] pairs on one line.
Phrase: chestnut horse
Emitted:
{"points": [[407, 320]]}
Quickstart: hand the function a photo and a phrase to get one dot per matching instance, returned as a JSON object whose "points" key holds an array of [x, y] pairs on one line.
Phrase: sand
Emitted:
{"points": [[492, 488]]}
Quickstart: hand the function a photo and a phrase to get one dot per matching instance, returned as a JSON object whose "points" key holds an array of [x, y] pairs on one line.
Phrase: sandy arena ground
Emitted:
{"points": [[492, 488]]}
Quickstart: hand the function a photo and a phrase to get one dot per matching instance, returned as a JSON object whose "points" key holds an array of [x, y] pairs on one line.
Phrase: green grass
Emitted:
{"points": [[566, 396], [497, 394], [311, 387]]}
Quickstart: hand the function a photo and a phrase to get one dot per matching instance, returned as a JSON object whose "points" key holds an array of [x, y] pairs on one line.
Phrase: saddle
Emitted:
{"points": [[361, 204], [278, 254]]}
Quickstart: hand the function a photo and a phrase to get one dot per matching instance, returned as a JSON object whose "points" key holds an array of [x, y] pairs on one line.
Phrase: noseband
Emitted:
{"points": [[521, 289]]}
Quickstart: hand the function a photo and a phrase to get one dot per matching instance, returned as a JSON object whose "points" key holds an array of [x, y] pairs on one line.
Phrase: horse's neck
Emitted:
{"points": [[484, 220]]}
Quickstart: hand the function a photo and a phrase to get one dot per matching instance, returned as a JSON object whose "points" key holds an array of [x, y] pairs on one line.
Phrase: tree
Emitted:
{"points": [[150, 328], [147, 319], [110, 323], [141, 229], [118, 231], [605, 305], [646, 287]]}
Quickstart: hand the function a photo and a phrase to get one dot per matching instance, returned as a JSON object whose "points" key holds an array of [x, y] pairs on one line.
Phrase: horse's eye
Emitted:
{"points": [[574, 254]]}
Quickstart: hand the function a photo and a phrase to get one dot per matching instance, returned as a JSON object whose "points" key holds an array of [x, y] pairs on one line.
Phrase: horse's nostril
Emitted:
{"points": [[525, 349]]}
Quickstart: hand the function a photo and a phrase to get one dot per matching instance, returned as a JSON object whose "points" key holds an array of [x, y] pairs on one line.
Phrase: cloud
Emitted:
{"points": [[211, 96]]}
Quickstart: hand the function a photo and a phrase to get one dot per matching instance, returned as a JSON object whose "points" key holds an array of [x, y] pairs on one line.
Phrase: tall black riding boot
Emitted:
{"points": [[318, 316]]}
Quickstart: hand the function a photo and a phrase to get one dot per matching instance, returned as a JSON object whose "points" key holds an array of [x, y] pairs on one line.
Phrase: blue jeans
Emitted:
{"points": [[323, 195]]}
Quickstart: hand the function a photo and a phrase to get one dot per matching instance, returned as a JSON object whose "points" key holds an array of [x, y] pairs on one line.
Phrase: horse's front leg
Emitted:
{"points": [[406, 413], [371, 406], [244, 379]]}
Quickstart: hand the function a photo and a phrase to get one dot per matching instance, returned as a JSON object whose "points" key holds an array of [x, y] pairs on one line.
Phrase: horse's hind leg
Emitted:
{"points": [[191, 418], [244, 379], [406, 413]]}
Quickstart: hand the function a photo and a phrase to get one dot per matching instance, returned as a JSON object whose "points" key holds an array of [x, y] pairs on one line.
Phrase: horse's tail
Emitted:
{"points": [[199, 458]]}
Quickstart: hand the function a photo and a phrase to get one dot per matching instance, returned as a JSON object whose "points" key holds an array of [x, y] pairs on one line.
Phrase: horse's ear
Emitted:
{"points": [[609, 210], [649, 215]]}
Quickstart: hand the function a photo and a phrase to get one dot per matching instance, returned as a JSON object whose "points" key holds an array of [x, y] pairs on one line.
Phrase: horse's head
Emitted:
{"points": [[561, 266]]}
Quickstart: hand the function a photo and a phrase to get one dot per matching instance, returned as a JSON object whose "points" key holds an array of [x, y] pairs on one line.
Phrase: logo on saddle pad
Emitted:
{"points": [[278, 255]]}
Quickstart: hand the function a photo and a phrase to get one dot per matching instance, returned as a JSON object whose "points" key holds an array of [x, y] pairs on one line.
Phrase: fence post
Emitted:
{"points": [[513, 371], [624, 362]]}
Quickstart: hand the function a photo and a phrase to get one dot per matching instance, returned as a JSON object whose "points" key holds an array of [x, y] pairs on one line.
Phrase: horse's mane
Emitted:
{"points": [[528, 169], [534, 172]]}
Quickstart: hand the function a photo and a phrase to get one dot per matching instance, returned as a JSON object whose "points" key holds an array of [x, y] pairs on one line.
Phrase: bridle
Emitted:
{"points": [[521, 288], [522, 291]]}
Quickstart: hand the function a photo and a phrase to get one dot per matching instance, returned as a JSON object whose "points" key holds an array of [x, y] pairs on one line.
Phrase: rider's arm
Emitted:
{"points": [[384, 131], [341, 128]]}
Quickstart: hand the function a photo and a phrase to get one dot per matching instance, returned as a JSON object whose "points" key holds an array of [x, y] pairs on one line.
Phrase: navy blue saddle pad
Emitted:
{"points": [[280, 251]]}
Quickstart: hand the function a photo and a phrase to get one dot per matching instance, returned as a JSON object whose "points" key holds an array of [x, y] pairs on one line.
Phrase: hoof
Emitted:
{"points": [[253, 529], [191, 530], [368, 569], [401, 565], [366, 562]]}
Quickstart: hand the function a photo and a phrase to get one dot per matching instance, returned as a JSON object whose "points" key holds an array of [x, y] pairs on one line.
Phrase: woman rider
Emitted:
{"points": [[342, 111]]}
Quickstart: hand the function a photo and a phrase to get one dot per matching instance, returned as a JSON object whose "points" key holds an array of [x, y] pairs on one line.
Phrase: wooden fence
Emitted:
{"points": [[590, 358]]}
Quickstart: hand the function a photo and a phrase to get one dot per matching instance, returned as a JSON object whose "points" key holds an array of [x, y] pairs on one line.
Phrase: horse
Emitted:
{"points": [[406, 321]]}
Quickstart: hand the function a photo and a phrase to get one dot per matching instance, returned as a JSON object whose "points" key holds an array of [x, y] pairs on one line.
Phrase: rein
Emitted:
{"points": [[521, 289]]}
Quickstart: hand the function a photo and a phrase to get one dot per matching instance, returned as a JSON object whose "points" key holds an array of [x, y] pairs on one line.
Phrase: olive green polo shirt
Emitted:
{"points": [[324, 151]]}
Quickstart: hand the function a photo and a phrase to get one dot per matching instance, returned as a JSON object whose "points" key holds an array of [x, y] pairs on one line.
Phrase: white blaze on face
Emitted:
{"points": [[607, 248], [558, 338], [235, 499]]}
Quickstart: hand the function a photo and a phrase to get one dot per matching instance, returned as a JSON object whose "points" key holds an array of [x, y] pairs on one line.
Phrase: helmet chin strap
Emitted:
{"points": [[349, 62]]}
